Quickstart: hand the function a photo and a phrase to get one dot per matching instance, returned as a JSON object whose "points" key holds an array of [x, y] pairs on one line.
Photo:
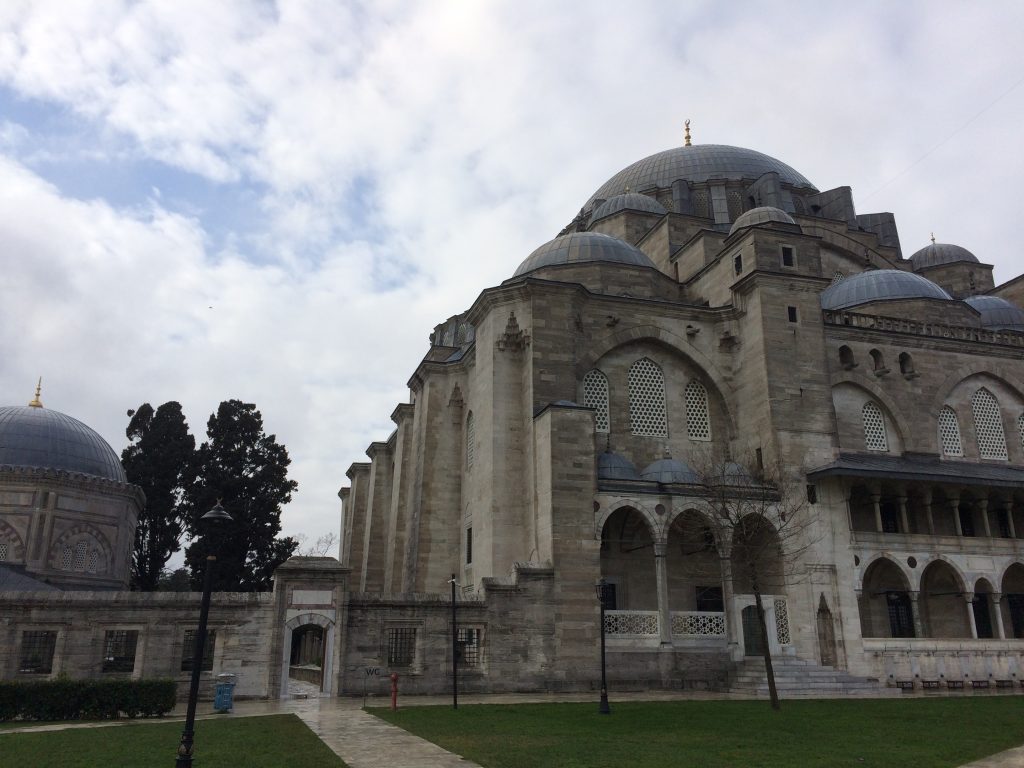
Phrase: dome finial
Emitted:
{"points": [[933, 238], [36, 402], [686, 135]]}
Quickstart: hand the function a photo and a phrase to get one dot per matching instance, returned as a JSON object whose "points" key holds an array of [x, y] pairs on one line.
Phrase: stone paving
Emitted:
{"points": [[365, 741]]}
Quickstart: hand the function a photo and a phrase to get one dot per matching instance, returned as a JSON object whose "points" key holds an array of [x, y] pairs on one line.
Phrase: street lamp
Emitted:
{"points": [[209, 522], [455, 647], [603, 708]]}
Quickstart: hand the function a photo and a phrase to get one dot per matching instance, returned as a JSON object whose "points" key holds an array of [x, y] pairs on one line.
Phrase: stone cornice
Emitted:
{"points": [[857, 323], [75, 480]]}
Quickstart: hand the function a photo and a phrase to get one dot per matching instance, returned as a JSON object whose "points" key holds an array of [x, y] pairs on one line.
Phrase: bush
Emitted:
{"points": [[64, 699]]}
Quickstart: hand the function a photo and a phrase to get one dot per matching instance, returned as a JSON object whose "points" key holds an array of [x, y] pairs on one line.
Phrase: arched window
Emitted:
{"points": [[647, 399], [846, 358], [949, 433], [878, 361], [595, 395], [906, 364], [470, 441], [875, 438], [698, 420], [988, 425]]}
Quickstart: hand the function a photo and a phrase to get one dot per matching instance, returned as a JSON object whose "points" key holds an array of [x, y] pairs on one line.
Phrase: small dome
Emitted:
{"points": [[940, 253], [48, 439], [880, 285], [756, 217], [997, 313], [612, 466], [632, 201], [696, 164], [669, 470], [578, 247], [736, 474]]}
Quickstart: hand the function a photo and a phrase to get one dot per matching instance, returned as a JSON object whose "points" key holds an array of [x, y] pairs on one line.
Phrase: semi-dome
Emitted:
{"points": [[756, 217], [46, 439], [940, 253], [669, 470], [632, 201], [880, 285], [613, 466], [698, 163], [578, 247], [998, 313]]}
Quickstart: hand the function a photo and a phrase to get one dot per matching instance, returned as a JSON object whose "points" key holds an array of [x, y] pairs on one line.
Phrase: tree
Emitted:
{"points": [[159, 460], [247, 471], [174, 581], [324, 543], [762, 523]]}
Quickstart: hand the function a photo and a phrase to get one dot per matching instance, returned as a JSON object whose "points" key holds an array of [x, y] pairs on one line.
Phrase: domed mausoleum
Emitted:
{"points": [[67, 512]]}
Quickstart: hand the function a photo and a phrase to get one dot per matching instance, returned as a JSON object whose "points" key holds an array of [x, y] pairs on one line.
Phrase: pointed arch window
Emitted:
{"points": [[470, 441], [988, 425], [698, 420], [647, 399], [595, 395], [875, 437], [949, 433]]}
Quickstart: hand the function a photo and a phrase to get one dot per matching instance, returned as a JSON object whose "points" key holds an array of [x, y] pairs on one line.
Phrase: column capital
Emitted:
{"points": [[660, 547], [969, 597]]}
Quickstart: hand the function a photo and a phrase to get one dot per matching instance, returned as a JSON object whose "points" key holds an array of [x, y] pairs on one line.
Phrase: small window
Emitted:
{"points": [[698, 421], [188, 650], [401, 646], [3, 551], [119, 650], [737, 263], [875, 438], [837, 277], [788, 255], [791, 311], [37, 649], [846, 358], [468, 646], [81, 551], [988, 425], [470, 441], [906, 364], [949, 433], [877, 361], [710, 599], [595, 395], [812, 494], [890, 517], [469, 546], [647, 398]]}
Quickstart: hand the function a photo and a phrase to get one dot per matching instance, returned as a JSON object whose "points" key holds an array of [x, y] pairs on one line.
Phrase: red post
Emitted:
{"points": [[394, 690]]}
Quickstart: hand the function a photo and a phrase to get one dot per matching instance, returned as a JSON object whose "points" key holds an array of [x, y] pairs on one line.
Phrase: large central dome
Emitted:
{"points": [[698, 163]]}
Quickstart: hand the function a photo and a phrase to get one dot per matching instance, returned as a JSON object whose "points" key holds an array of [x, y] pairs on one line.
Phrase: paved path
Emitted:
{"points": [[1011, 758]]}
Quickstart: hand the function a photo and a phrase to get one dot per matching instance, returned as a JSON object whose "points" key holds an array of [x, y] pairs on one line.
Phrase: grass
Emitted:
{"points": [[917, 733], [249, 742]]}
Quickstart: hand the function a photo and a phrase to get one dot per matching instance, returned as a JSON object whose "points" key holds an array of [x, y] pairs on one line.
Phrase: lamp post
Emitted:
{"points": [[210, 521], [603, 708], [455, 647]]}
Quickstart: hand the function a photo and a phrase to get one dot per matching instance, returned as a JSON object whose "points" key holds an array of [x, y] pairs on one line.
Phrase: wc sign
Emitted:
{"points": [[373, 671]]}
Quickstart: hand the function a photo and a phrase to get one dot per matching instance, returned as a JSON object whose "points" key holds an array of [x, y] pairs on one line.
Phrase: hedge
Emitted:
{"points": [[63, 699]]}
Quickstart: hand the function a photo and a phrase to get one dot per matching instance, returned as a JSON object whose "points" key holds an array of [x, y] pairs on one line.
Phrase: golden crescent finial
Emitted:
{"points": [[36, 402], [933, 238], [686, 135]]}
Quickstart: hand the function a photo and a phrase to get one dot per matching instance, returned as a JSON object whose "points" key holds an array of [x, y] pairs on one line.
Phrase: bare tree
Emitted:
{"points": [[323, 544], [761, 521]]}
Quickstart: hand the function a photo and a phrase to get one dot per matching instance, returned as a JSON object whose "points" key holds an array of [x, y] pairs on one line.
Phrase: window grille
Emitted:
{"points": [[700, 203], [595, 395], [119, 650], [469, 646], [734, 200], [782, 622], [37, 649], [988, 425], [875, 438], [837, 277], [737, 263], [188, 650], [3, 551], [1020, 429], [66, 559], [81, 550], [698, 421], [470, 440], [788, 255], [647, 399], [469, 546], [401, 646], [94, 561], [949, 433]]}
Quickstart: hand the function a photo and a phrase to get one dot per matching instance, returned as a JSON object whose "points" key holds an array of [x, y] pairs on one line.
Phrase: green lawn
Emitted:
{"points": [[914, 733], [250, 742]]}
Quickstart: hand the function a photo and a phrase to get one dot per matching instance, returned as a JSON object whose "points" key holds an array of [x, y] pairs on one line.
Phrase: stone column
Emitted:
{"points": [[928, 511], [969, 597], [664, 612], [996, 599], [915, 612], [876, 498], [983, 508], [904, 520], [954, 504], [1009, 518], [732, 622]]}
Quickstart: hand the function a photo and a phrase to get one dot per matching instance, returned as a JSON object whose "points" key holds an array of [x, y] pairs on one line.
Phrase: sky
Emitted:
{"points": [[277, 202]]}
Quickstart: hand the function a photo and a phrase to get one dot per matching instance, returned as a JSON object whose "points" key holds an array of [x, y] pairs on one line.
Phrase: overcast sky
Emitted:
{"points": [[276, 202]]}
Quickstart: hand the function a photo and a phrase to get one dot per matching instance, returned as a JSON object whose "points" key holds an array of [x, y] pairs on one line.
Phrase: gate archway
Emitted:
{"points": [[308, 644]]}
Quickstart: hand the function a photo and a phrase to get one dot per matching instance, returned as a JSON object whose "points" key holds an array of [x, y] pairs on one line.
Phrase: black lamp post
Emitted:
{"points": [[209, 522], [603, 708], [455, 647]]}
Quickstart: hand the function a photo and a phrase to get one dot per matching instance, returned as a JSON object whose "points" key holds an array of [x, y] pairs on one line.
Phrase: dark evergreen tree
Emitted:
{"points": [[159, 460], [247, 471]]}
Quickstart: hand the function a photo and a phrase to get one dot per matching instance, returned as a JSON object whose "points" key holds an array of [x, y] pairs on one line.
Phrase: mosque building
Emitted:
{"points": [[707, 307]]}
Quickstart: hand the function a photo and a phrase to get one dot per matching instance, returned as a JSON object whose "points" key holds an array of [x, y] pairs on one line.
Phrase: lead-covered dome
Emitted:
{"points": [[698, 163], [880, 285], [757, 217], [578, 247], [47, 439], [669, 470], [632, 201], [997, 313], [614, 466], [937, 254]]}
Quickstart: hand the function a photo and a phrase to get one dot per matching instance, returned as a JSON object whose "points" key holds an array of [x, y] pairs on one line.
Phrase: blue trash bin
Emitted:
{"points": [[224, 696]]}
